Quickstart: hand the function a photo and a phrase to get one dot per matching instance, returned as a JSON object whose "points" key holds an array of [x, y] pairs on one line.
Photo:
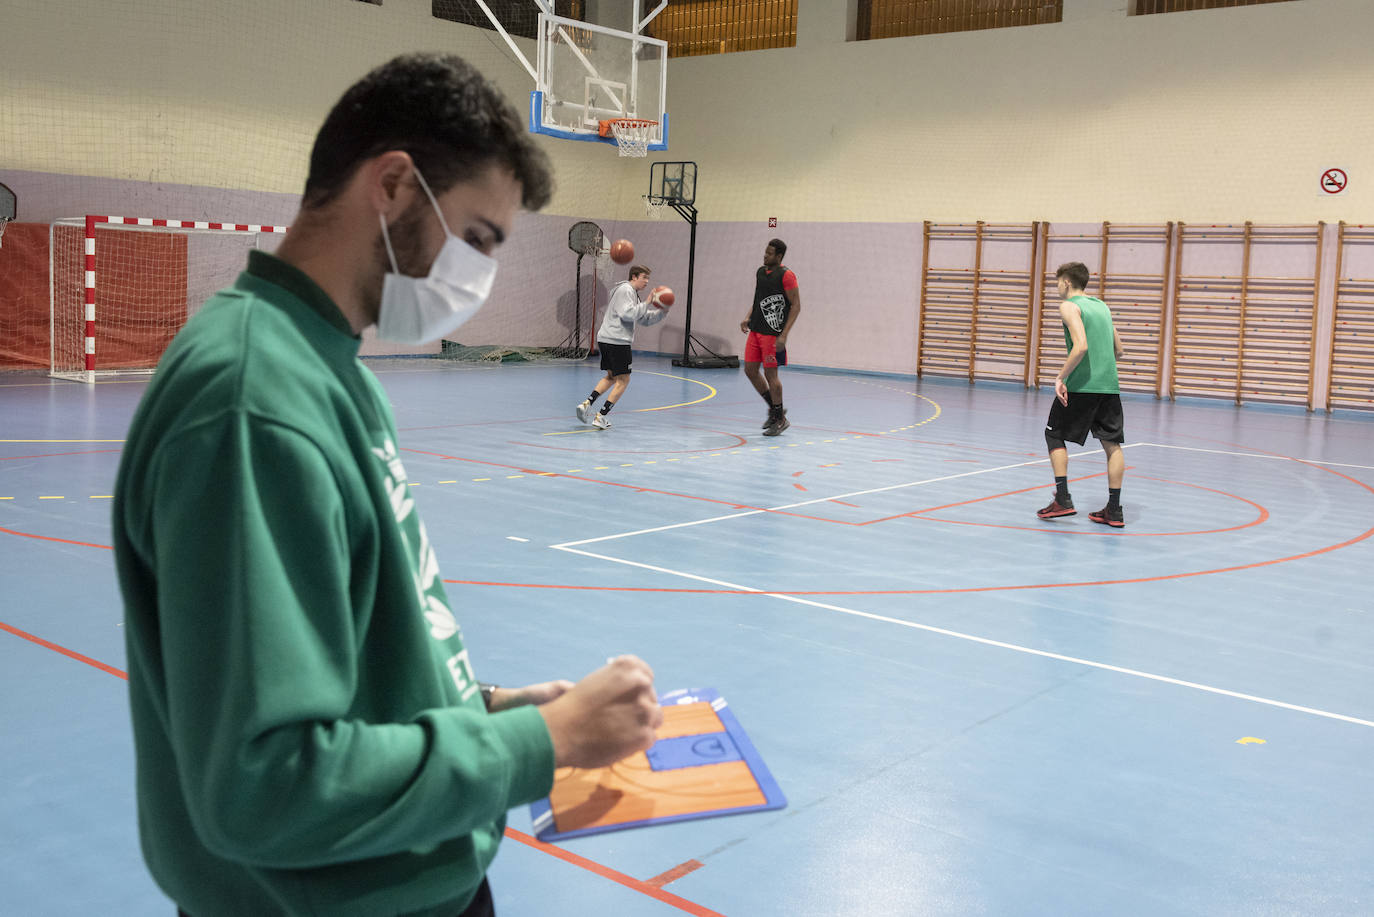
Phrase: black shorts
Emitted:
{"points": [[1087, 411], [615, 358]]}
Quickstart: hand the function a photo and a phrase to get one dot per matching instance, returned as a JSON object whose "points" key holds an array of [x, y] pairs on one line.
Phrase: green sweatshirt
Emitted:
{"points": [[1096, 372], [310, 738]]}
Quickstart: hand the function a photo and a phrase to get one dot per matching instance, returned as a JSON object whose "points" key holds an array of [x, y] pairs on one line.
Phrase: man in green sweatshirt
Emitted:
{"points": [[310, 734]]}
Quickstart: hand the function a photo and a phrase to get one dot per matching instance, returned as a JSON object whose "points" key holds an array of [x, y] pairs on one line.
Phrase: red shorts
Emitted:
{"points": [[762, 348]]}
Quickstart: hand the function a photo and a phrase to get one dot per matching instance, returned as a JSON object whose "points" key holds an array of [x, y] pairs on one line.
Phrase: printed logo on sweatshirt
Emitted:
{"points": [[424, 565]]}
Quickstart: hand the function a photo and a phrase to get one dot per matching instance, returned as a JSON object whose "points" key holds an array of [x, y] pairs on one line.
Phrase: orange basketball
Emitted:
{"points": [[622, 251], [663, 296]]}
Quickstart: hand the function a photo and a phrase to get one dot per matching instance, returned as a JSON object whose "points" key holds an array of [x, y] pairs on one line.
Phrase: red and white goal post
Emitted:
{"points": [[117, 313]]}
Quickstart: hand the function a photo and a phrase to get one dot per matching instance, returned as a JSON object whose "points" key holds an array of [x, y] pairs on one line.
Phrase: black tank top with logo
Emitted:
{"points": [[770, 302]]}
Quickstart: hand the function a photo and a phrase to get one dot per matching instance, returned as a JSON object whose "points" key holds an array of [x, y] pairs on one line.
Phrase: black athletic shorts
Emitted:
{"points": [[615, 358], [1087, 411]]}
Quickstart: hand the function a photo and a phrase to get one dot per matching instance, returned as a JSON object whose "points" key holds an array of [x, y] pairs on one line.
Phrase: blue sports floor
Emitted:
{"points": [[971, 712]]}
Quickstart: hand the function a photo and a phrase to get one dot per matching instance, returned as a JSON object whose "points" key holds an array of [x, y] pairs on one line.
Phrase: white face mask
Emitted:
{"points": [[417, 310]]}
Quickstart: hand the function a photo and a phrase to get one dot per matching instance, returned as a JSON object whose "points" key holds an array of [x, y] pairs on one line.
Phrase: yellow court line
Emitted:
{"points": [[664, 407], [930, 401], [681, 404], [61, 440]]}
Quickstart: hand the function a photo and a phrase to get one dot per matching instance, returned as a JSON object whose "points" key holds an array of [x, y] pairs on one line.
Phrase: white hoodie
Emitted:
{"points": [[623, 312]]}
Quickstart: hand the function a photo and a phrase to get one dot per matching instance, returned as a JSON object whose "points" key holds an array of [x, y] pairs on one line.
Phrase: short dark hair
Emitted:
{"points": [[637, 270], [438, 108], [1076, 272], [779, 246]]}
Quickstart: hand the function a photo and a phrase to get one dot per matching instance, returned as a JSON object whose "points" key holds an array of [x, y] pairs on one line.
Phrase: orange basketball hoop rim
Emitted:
{"points": [[631, 134]]}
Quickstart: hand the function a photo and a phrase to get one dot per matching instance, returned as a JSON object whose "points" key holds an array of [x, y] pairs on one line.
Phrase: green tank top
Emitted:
{"points": [[1096, 372]]}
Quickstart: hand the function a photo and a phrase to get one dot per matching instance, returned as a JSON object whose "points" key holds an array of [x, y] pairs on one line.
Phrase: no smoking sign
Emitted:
{"points": [[1334, 181]]}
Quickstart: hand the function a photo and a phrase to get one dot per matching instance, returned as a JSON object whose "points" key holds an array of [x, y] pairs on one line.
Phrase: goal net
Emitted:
{"points": [[540, 309], [122, 287]]}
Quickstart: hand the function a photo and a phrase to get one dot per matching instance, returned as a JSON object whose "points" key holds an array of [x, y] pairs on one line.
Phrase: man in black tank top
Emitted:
{"points": [[776, 305]]}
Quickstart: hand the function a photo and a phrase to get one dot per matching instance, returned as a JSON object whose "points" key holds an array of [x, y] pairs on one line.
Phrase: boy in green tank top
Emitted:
{"points": [[1087, 395]]}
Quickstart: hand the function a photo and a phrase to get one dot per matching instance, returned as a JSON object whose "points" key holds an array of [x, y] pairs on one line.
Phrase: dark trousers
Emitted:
{"points": [[481, 905]]}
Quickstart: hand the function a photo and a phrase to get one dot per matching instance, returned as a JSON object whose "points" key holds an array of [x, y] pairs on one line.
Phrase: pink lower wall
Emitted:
{"points": [[860, 283]]}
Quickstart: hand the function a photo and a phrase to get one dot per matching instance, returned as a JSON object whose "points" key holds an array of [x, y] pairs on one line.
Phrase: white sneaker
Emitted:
{"points": [[600, 422], [582, 410]]}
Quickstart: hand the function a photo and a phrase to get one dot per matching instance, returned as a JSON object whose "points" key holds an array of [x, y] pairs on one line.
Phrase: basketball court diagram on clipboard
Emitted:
{"points": [[701, 765], [594, 83]]}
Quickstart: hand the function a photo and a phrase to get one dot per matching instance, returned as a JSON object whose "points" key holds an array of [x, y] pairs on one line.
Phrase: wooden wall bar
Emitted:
{"points": [[1230, 311], [1350, 355], [1246, 334], [1137, 294], [976, 321]]}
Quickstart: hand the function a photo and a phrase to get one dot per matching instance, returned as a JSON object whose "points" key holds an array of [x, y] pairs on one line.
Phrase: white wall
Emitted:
{"points": [[1210, 115], [220, 94]]}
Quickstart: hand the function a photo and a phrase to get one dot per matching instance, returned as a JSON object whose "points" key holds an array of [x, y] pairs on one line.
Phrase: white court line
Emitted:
{"points": [[973, 638], [1281, 458], [786, 506], [570, 547]]}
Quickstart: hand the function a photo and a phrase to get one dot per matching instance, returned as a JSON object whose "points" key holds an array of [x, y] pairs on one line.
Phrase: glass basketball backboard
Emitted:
{"points": [[587, 74], [673, 182]]}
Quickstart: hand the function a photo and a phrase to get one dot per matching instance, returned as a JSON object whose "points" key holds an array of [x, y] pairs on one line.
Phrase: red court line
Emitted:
{"points": [[822, 592], [1057, 529], [652, 891], [11, 458], [1008, 493], [605, 872], [739, 441], [677, 872], [81, 544], [971, 589], [1011, 588], [71, 654], [635, 487]]}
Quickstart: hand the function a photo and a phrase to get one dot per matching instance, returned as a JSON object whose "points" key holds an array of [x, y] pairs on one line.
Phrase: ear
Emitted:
{"points": [[388, 186]]}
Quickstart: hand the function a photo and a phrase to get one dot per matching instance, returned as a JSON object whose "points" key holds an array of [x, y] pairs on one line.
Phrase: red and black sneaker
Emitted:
{"points": [[1108, 516], [1059, 506]]}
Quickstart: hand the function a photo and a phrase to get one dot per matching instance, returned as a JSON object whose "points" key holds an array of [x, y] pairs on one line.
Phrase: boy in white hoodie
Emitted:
{"points": [[614, 340]]}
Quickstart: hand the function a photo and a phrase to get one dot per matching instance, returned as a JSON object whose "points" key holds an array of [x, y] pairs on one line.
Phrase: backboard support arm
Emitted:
{"points": [[496, 23]]}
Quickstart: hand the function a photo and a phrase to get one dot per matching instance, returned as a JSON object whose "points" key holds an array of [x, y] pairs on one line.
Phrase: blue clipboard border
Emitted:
{"points": [[541, 812]]}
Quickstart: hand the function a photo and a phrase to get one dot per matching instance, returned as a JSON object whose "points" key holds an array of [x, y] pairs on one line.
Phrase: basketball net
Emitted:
{"points": [[653, 206], [632, 135], [3, 221]]}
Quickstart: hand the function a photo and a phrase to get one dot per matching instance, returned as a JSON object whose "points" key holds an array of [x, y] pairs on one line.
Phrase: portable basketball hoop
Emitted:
{"points": [[586, 239], [632, 135]]}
